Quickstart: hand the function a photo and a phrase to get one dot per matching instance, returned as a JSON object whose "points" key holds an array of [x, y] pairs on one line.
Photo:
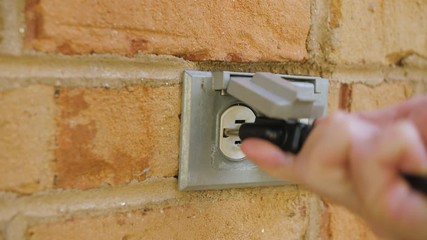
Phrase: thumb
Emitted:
{"points": [[270, 158]]}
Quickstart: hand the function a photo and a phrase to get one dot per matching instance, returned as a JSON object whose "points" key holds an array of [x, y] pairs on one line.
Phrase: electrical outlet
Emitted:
{"points": [[211, 159], [230, 120]]}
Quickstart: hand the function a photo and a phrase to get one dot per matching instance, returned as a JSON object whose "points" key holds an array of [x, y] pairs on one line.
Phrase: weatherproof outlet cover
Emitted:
{"points": [[202, 165]]}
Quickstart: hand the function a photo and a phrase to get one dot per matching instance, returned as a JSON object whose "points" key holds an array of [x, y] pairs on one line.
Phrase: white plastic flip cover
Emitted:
{"points": [[276, 97]]}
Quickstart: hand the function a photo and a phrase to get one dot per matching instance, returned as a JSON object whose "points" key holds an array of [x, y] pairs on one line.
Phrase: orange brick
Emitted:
{"points": [[383, 32], [334, 96], [342, 224], [265, 215], [243, 30], [113, 136], [365, 98], [27, 135]]}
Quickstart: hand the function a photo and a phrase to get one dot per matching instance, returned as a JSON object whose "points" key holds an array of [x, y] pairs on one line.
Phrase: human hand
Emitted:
{"points": [[356, 160]]}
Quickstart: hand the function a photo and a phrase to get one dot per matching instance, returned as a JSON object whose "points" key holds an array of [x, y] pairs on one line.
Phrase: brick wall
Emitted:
{"points": [[90, 102]]}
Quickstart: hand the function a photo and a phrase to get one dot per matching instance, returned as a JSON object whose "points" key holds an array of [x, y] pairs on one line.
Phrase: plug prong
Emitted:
{"points": [[231, 132]]}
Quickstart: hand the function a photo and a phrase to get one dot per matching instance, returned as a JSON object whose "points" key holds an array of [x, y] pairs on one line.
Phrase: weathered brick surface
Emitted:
{"points": [[27, 128], [334, 96], [113, 136], [343, 224], [244, 30], [369, 31], [365, 98], [241, 215]]}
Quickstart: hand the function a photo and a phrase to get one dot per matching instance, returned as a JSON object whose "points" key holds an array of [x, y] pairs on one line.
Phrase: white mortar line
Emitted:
{"points": [[99, 70], [109, 198], [16, 229], [315, 214]]}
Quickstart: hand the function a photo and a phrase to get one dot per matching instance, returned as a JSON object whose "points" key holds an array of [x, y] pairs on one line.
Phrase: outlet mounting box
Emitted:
{"points": [[207, 95]]}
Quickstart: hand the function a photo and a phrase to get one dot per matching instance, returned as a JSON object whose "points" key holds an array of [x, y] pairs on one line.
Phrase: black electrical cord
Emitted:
{"points": [[291, 135]]}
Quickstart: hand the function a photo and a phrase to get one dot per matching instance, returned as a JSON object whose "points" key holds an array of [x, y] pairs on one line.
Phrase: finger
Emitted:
{"points": [[324, 128], [418, 118], [376, 169], [325, 152], [395, 112], [401, 145], [414, 160], [270, 158], [323, 164], [407, 208]]}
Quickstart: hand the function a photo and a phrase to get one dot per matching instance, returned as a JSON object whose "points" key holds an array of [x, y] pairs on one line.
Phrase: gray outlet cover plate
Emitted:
{"points": [[202, 166]]}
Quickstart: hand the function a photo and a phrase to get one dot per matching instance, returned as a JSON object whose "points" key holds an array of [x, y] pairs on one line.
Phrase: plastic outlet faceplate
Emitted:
{"points": [[232, 118], [202, 164]]}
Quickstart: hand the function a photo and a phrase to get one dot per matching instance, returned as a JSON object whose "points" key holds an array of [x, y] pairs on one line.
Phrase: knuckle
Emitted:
{"points": [[335, 118]]}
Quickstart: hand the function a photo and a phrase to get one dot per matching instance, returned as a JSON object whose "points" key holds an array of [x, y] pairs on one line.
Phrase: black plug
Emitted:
{"points": [[289, 135]]}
